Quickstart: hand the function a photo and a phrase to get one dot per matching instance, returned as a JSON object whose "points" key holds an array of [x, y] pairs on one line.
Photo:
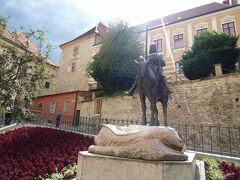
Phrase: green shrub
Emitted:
{"points": [[213, 169], [114, 67], [210, 48]]}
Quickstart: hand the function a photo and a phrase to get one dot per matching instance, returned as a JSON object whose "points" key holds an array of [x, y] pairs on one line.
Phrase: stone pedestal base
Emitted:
{"points": [[99, 167]]}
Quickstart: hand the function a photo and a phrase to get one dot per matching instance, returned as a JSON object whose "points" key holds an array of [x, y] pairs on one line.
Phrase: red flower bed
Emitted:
{"points": [[28, 153], [230, 171]]}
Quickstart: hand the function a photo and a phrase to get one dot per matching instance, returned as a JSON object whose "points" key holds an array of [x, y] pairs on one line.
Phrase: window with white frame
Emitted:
{"points": [[229, 28], [158, 43], [73, 69], [52, 107], [178, 41], [179, 67], [201, 27], [199, 31], [67, 105]]}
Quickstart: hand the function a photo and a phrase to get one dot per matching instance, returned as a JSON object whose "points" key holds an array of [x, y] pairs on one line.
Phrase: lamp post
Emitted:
{"points": [[146, 43]]}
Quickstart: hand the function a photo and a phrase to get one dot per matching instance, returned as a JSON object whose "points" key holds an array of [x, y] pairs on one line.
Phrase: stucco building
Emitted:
{"points": [[175, 33], [73, 84], [75, 56]]}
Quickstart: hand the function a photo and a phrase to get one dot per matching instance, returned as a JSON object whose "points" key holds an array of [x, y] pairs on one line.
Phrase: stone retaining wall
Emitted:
{"points": [[211, 101]]}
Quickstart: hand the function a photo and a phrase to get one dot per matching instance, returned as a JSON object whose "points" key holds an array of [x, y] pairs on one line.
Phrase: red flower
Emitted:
{"points": [[39, 153]]}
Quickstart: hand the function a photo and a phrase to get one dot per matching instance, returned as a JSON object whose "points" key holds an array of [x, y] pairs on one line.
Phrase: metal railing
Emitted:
{"points": [[217, 139]]}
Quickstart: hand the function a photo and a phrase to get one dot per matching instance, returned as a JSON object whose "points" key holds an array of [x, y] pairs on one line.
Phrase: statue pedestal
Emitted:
{"points": [[100, 167]]}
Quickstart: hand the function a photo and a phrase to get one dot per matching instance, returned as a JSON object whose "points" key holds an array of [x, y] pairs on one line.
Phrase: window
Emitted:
{"points": [[73, 69], [178, 41], [158, 44], [47, 85], [75, 51], [98, 39], [179, 67], [229, 28], [66, 107], [40, 107], [199, 31], [52, 107]]}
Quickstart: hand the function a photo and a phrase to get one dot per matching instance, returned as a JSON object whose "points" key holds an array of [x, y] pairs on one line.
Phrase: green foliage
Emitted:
{"points": [[114, 67], [22, 71], [210, 48], [68, 172], [102, 93], [213, 168], [3, 22]]}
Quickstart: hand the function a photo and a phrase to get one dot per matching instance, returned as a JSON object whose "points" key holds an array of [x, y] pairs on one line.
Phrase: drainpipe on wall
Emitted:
{"points": [[74, 114]]}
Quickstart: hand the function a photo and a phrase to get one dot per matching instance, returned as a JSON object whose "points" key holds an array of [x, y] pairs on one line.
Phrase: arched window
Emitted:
{"points": [[201, 27], [229, 25]]}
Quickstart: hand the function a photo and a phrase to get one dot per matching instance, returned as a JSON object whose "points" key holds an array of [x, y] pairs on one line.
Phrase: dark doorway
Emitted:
{"points": [[77, 120]]}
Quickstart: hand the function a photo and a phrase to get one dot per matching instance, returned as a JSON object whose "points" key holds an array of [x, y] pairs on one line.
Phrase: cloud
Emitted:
{"points": [[62, 20], [66, 19]]}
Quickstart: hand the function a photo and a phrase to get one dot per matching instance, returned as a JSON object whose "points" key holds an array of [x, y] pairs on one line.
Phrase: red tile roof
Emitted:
{"points": [[23, 40], [183, 15]]}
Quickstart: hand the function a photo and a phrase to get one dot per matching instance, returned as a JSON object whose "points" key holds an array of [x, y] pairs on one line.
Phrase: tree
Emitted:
{"points": [[210, 48], [21, 69], [114, 67]]}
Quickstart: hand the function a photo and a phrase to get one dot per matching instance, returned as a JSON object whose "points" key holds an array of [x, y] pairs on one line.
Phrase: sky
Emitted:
{"points": [[65, 20]]}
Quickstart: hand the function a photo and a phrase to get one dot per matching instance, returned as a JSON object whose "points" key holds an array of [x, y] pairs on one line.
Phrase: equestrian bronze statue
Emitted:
{"points": [[152, 84]]}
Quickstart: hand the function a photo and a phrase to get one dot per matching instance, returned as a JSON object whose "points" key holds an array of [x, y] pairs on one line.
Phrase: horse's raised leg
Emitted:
{"points": [[164, 105], [143, 105]]}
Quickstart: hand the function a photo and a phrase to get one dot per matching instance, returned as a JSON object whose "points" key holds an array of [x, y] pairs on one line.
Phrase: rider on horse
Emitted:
{"points": [[155, 63]]}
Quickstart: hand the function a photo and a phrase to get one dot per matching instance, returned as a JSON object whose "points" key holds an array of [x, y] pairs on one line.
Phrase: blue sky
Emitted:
{"points": [[66, 19]]}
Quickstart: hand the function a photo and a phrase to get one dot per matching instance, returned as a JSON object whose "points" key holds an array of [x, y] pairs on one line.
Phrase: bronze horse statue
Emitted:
{"points": [[152, 84]]}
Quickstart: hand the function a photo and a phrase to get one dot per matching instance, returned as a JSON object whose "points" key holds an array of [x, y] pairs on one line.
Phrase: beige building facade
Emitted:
{"points": [[75, 56]]}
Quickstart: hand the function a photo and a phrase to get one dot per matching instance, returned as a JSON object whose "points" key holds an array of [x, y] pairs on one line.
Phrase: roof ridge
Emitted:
{"points": [[186, 14], [92, 30], [20, 41]]}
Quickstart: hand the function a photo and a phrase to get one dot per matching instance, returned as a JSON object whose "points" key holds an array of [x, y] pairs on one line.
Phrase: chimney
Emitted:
{"points": [[234, 2], [226, 2]]}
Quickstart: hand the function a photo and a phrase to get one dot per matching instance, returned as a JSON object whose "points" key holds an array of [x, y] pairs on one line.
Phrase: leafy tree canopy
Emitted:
{"points": [[210, 48], [21, 69], [114, 67]]}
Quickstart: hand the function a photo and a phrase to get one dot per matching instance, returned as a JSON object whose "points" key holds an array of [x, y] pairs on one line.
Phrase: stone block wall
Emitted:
{"points": [[211, 101], [71, 81]]}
